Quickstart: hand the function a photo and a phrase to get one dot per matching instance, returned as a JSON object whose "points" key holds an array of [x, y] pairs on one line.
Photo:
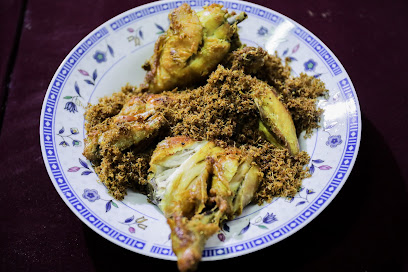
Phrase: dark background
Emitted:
{"points": [[363, 229]]}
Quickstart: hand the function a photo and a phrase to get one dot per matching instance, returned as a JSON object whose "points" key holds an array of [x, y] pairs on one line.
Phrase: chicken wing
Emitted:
{"points": [[137, 121], [198, 185], [275, 118], [192, 47]]}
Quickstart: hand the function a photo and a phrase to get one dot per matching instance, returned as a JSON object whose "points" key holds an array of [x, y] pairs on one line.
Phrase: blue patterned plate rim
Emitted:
{"points": [[142, 246]]}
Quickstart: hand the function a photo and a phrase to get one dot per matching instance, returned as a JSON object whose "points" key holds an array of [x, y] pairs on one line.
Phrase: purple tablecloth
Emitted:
{"points": [[363, 229]]}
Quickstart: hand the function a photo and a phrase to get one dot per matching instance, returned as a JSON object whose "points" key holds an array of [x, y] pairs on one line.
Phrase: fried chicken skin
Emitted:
{"points": [[192, 47], [137, 122], [276, 122], [198, 185]]}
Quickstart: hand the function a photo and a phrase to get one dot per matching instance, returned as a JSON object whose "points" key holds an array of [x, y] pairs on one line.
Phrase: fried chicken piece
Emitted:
{"points": [[299, 94], [137, 122], [276, 124], [268, 135], [276, 119], [179, 175], [191, 48], [198, 185], [168, 172], [235, 181]]}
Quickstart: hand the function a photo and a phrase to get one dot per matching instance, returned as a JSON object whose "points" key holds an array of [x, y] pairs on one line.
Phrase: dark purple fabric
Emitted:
{"points": [[10, 24], [363, 229]]}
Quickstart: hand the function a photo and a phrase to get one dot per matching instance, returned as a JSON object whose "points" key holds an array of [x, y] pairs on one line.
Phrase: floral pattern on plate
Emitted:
{"points": [[112, 55]]}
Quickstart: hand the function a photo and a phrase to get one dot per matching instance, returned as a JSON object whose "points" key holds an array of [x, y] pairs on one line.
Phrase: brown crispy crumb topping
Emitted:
{"points": [[222, 111]]}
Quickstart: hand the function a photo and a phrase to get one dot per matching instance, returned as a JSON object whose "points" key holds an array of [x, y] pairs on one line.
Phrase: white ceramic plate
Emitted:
{"points": [[112, 55]]}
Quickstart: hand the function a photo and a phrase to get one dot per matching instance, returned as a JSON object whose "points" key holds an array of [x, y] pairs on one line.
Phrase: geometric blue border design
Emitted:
{"points": [[129, 18], [47, 122], [351, 143], [49, 144], [333, 65], [167, 251], [259, 12], [73, 59]]}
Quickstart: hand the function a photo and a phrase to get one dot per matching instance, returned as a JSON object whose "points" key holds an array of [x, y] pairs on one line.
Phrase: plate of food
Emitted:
{"points": [[199, 130]]}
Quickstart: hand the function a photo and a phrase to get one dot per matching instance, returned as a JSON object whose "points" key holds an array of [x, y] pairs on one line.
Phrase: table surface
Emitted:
{"points": [[363, 229]]}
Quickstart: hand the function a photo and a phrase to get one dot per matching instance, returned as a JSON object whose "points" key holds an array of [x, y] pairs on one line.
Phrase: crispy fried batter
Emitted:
{"points": [[223, 111], [257, 62], [120, 171], [283, 173], [299, 94], [108, 106], [220, 110], [229, 142]]}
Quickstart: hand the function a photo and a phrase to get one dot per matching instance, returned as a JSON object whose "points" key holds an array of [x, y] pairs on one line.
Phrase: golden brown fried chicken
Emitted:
{"points": [[236, 178], [198, 185], [276, 122], [299, 94], [192, 47], [137, 121]]}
